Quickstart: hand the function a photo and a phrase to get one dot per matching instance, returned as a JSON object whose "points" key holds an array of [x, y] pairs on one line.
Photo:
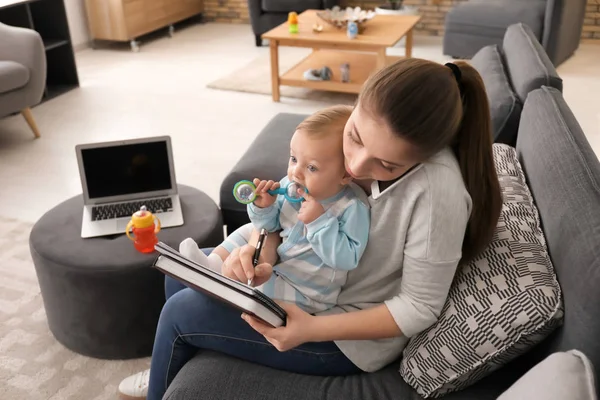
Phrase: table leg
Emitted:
{"points": [[274, 47], [381, 59], [409, 43]]}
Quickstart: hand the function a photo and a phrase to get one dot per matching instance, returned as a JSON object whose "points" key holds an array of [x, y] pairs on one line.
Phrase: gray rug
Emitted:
{"points": [[33, 365], [255, 77]]}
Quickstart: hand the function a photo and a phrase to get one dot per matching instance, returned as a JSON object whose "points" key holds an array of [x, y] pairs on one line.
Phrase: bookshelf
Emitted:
{"points": [[49, 19]]}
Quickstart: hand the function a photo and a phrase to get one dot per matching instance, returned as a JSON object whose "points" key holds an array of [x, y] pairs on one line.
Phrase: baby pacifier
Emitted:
{"points": [[245, 192]]}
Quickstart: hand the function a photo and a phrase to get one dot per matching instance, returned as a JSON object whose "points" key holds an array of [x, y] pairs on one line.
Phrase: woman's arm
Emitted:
{"points": [[301, 327], [372, 323]]}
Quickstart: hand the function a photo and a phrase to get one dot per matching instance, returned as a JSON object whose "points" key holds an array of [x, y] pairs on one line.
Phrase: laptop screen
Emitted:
{"points": [[126, 169]]}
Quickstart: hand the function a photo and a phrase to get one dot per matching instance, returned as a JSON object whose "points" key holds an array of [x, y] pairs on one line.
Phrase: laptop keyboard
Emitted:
{"points": [[120, 210]]}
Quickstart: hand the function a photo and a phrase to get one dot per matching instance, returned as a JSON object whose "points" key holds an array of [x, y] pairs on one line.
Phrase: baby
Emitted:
{"points": [[324, 236]]}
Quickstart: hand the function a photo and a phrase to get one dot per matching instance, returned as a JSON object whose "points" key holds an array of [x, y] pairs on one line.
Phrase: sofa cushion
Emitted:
{"points": [[499, 306], [215, 376], [563, 375], [564, 177], [528, 64], [12, 76], [490, 18], [285, 6], [505, 107]]}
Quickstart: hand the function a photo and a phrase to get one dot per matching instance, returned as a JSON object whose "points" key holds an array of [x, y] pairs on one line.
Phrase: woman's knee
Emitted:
{"points": [[184, 308]]}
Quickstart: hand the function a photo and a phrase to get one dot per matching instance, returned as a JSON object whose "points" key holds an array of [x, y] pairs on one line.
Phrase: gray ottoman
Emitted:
{"points": [[101, 296], [475, 24]]}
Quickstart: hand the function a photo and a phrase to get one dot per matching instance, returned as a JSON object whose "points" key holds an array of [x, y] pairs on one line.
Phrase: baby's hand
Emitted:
{"points": [[310, 210], [263, 198]]}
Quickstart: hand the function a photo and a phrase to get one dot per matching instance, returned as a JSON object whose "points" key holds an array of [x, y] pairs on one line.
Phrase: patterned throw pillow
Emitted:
{"points": [[499, 306]]}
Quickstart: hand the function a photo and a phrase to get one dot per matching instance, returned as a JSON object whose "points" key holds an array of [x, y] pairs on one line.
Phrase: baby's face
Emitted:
{"points": [[317, 163]]}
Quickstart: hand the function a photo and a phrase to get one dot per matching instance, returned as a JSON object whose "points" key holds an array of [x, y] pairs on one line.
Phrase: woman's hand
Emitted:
{"points": [[238, 266], [263, 198], [298, 329]]}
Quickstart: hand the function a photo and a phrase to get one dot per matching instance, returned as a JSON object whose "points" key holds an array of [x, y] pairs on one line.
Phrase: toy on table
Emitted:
{"points": [[293, 22], [345, 72], [144, 230], [245, 192], [352, 29]]}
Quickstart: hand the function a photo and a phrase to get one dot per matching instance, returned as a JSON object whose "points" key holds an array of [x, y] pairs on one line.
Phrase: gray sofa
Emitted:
{"points": [[557, 24], [22, 72], [564, 176], [267, 14]]}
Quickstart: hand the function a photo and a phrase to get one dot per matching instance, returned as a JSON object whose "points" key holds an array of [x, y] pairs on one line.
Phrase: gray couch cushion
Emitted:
{"points": [[505, 107], [491, 18], [564, 177], [214, 376], [285, 6], [528, 64], [563, 375], [12, 76]]}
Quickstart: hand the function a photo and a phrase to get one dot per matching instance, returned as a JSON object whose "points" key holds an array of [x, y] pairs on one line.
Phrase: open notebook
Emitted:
{"points": [[237, 294]]}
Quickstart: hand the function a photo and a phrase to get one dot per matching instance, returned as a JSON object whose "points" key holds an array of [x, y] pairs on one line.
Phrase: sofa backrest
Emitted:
{"points": [[563, 174], [527, 62]]}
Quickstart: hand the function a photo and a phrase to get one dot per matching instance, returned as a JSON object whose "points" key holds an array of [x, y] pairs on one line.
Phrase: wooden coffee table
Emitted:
{"points": [[366, 53]]}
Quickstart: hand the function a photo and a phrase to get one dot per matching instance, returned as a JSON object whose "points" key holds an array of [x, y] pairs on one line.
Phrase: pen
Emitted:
{"points": [[259, 246]]}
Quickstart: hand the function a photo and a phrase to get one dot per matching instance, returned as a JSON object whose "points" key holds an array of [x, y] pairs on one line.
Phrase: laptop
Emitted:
{"points": [[120, 177]]}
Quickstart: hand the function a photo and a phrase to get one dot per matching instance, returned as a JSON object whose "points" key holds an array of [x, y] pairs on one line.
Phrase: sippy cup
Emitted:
{"points": [[245, 192], [144, 230]]}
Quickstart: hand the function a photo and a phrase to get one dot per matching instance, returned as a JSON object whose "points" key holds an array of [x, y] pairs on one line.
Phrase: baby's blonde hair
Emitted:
{"points": [[330, 120]]}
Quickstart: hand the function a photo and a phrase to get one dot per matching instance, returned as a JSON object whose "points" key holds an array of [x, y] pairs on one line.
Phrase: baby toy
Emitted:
{"points": [[245, 192], [293, 22], [144, 230]]}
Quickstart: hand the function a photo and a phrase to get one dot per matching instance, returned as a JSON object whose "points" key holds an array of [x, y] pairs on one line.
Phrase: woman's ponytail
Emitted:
{"points": [[473, 147]]}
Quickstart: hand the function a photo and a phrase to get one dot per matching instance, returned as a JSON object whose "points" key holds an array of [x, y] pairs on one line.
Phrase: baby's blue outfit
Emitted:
{"points": [[315, 258]]}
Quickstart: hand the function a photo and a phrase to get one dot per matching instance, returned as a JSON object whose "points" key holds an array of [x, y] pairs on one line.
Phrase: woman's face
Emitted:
{"points": [[373, 151]]}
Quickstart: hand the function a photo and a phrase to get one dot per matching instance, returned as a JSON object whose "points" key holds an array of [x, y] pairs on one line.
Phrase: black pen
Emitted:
{"points": [[259, 246]]}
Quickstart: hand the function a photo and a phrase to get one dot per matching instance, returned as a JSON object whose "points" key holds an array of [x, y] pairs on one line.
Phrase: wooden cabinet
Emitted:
{"points": [[124, 20]]}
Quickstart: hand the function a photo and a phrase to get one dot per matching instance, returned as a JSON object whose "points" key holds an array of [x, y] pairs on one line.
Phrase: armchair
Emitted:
{"points": [[557, 25], [22, 72], [267, 14]]}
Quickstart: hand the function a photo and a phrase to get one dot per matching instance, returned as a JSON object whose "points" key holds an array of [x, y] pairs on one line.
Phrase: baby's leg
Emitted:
{"points": [[214, 261]]}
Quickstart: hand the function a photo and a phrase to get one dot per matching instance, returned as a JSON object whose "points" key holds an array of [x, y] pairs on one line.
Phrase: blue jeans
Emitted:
{"points": [[191, 321]]}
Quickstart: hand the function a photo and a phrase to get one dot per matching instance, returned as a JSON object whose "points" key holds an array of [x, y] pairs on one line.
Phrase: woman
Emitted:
{"points": [[419, 143]]}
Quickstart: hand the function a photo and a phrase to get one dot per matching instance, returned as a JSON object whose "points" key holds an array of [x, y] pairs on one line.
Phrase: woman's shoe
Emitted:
{"points": [[135, 387]]}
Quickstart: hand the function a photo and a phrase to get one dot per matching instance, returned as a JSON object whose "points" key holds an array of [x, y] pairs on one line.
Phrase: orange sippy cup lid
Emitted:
{"points": [[142, 218]]}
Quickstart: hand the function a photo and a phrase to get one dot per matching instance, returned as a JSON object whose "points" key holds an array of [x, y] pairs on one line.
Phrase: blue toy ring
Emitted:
{"points": [[245, 192]]}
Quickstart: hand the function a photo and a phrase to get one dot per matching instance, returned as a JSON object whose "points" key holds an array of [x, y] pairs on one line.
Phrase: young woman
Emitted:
{"points": [[419, 142]]}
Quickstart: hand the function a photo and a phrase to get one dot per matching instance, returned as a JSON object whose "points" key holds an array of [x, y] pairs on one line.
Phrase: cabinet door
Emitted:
{"points": [[135, 17]]}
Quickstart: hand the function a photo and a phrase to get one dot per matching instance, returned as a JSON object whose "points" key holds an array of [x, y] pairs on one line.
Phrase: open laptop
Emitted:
{"points": [[119, 177]]}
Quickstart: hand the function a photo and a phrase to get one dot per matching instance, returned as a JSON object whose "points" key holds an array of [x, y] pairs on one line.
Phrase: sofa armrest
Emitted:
{"points": [[25, 46], [254, 11], [562, 28]]}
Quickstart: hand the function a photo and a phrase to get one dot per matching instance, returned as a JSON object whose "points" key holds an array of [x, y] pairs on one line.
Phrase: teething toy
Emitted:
{"points": [[245, 192]]}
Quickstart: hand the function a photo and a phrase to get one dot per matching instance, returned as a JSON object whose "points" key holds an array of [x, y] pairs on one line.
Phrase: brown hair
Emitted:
{"points": [[424, 103], [330, 120]]}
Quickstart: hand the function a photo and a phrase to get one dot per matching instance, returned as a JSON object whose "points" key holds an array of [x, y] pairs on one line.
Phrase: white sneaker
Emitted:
{"points": [[135, 386]]}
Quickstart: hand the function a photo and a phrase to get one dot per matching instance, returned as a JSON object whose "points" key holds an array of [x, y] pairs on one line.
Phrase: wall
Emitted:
{"points": [[591, 23], [77, 23], [433, 12]]}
